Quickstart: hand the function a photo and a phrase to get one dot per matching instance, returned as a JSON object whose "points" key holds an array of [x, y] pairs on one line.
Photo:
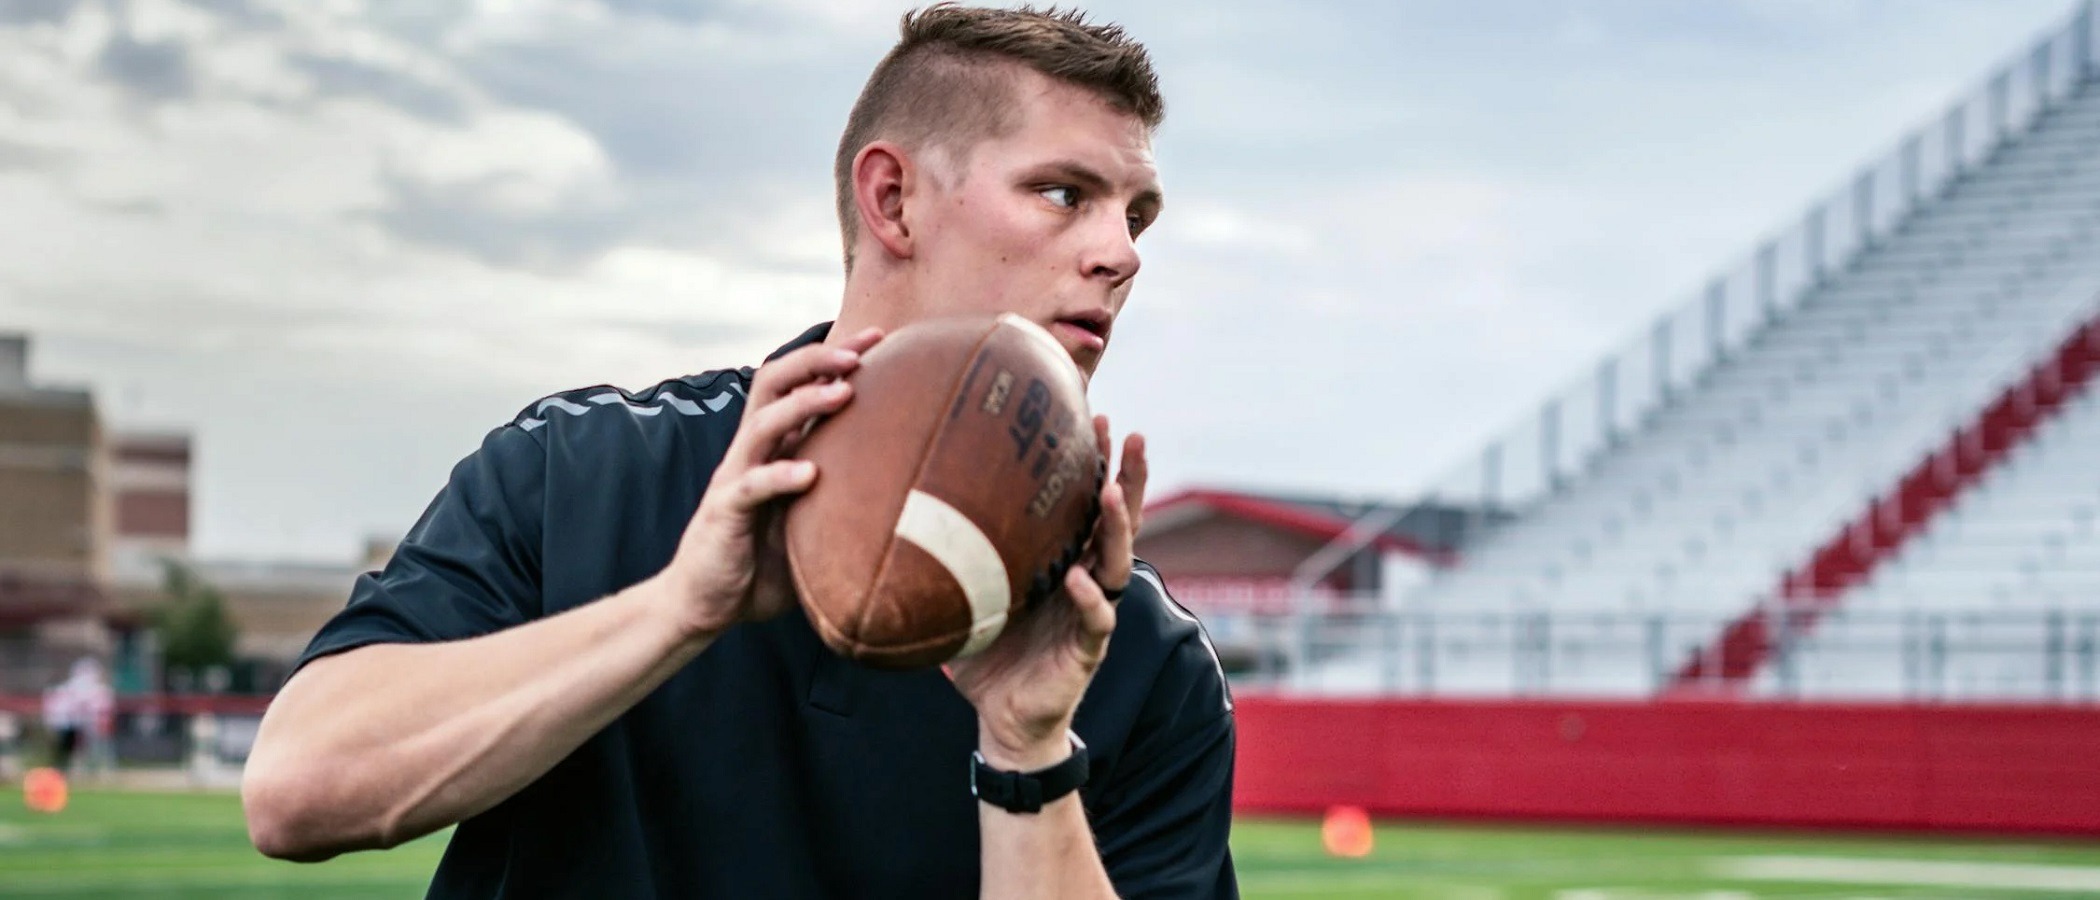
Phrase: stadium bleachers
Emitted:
{"points": [[1998, 597], [1694, 519]]}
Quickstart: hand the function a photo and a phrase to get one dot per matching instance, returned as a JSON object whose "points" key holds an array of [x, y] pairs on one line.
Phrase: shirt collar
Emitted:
{"points": [[814, 335]]}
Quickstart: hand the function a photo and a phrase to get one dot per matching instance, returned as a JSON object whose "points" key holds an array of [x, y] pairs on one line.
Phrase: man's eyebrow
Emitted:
{"points": [[1076, 172], [1150, 200], [1084, 176]]}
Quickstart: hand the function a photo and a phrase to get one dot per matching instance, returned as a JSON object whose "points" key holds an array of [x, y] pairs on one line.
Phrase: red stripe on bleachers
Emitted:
{"points": [[1813, 589]]}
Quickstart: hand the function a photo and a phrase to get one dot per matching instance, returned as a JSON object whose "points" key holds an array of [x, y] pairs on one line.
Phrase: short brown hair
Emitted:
{"points": [[943, 81]]}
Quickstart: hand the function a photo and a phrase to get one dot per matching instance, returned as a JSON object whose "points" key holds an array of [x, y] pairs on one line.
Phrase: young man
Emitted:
{"points": [[585, 652]]}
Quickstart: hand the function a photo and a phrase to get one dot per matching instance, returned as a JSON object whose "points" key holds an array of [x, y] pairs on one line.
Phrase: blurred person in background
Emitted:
{"points": [[78, 712]]}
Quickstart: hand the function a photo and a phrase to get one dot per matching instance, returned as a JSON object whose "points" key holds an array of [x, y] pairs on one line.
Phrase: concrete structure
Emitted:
{"points": [[54, 510], [55, 524]]}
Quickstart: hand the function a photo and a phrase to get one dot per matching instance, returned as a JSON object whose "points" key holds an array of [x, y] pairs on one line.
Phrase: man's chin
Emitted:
{"points": [[1087, 362]]}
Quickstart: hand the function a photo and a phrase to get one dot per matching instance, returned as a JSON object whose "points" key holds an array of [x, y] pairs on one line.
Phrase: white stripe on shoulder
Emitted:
{"points": [[683, 406], [1174, 609], [664, 399], [560, 403], [611, 397]]}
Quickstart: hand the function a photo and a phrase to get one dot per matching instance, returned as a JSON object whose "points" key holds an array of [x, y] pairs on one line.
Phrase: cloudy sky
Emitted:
{"points": [[341, 239]]}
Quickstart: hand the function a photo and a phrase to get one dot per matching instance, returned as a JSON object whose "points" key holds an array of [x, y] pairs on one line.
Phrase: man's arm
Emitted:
{"points": [[1049, 853], [1159, 821], [1026, 688], [384, 743]]}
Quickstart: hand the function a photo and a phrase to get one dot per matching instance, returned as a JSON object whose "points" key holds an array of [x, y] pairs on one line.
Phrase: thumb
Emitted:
{"points": [[1096, 616]]}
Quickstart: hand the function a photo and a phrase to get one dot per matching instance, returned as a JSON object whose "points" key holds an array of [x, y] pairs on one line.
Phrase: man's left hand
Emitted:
{"points": [[1028, 683]]}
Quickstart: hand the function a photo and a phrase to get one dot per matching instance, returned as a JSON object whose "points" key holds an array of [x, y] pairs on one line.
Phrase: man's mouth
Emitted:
{"points": [[1089, 328]]}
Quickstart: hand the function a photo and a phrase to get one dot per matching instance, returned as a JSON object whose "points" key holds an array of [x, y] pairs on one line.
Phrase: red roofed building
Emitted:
{"points": [[1229, 552]]}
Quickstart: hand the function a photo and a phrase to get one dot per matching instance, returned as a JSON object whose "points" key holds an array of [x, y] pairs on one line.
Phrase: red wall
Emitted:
{"points": [[1962, 768]]}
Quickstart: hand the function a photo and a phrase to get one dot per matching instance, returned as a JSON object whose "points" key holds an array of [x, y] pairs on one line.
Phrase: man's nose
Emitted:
{"points": [[1112, 253]]}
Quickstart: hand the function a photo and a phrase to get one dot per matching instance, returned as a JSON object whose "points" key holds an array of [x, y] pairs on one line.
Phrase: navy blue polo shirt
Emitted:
{"points": [[767, 767]]}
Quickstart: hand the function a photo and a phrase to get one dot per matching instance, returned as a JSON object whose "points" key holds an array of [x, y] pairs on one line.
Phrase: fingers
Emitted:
{"points": [[782, 376], [772, 481], [864, 341], [1131, 474], [1131, 471], [1096, 616], [767, 434], [1113, 540], [768, 428]]}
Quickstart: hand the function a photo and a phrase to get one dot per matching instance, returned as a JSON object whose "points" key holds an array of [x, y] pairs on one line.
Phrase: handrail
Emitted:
{"points": [[1542, 452]]}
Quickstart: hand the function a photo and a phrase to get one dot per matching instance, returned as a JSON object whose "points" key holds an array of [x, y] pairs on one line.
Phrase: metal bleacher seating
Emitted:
{"points": [[1999, 597], [1606, 584]]}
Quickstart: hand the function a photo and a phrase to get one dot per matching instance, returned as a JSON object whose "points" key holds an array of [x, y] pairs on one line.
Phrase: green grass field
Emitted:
{"points": [[192, 846]]}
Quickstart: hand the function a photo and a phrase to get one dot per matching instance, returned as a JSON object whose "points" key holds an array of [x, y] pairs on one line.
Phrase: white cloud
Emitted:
{"points": [[237, 227], [343, 239], [514, 162], [169, 20]]}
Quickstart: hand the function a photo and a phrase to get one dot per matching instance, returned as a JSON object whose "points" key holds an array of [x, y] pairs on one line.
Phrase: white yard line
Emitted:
{"points": [[1911, 872], [1643, 894]]}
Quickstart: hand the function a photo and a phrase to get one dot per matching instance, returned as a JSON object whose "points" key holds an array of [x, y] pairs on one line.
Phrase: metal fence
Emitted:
{"points": [[1546, 449], [2038, 655]]}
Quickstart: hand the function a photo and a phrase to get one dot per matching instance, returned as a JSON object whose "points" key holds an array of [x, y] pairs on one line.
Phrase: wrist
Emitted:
{"points": [[674, 600], [1023, 752]]}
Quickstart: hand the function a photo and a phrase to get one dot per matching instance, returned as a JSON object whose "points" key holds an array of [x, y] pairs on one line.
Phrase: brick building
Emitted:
{"points": [[55, 523], [89, 517], [150, 484]]}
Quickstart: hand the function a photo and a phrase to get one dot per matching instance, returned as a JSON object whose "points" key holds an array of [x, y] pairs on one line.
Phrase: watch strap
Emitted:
{"points": [[1027, 792]]}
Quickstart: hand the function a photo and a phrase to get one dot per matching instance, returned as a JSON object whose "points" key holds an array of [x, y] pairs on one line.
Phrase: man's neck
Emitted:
{"points": [[873, 299]]}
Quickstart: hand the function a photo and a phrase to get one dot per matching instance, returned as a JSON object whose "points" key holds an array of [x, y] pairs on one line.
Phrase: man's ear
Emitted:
{"points": [[883, 178]]}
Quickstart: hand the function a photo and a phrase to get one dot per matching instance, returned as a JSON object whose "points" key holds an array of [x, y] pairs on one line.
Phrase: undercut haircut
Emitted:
{"points": [[950, 82]]}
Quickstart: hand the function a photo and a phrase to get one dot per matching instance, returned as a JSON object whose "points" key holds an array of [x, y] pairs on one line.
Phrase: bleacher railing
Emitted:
{"points": [[2042, 655], [1548, 449]]}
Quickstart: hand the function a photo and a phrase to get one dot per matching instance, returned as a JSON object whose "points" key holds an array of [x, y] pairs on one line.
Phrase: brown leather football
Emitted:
{"points": [[955, 489]]}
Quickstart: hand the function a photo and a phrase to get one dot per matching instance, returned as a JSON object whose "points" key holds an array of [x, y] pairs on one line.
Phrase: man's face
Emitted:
{"points": [[1043, 221]]}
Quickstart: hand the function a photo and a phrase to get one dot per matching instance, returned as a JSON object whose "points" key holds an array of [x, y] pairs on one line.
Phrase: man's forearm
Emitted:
{"points": [[1049, 853], [385, 743]]}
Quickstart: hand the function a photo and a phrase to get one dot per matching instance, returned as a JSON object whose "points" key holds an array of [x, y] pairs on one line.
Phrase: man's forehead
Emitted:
{"points": [[1063, 123]]}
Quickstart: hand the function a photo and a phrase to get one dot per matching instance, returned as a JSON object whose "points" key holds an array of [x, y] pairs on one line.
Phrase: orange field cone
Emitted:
{"points": [[1346, 832], [44, 790]]}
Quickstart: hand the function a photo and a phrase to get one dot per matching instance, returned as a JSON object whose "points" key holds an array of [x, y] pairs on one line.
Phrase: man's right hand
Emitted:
{"points": [[730, 567]]}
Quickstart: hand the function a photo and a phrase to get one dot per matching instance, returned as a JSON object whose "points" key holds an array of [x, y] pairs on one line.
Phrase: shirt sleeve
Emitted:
{"points": [[1162, 826], [469, 567]]}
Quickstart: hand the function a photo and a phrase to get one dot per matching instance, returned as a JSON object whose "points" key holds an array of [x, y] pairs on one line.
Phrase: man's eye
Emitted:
{"points": [[1137, 224], [1064, 195]]}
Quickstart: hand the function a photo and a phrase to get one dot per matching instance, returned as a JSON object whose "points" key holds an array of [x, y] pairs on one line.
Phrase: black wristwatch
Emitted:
{"points": [[1026, 792]]}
